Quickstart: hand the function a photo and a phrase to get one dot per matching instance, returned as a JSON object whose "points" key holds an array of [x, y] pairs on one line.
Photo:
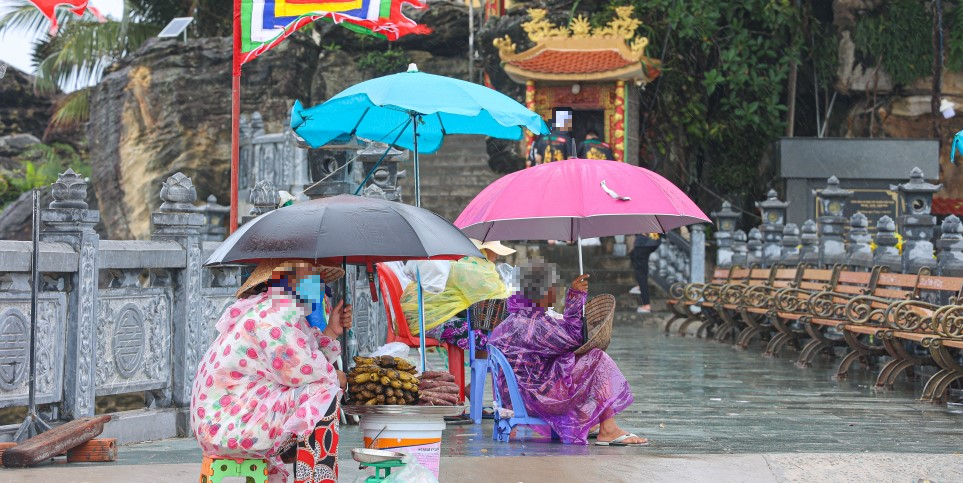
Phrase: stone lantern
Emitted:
{"points": [[725, 226], [916, 223], [331, 169], [773, 218], [832, 223], [385, 177]]}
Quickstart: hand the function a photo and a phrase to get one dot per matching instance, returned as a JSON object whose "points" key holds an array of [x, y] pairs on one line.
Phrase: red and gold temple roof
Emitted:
{"points": [[579, 52]]}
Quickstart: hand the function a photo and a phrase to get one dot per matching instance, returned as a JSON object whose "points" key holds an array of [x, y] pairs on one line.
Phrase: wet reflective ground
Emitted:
{"points": [[696, 396]]}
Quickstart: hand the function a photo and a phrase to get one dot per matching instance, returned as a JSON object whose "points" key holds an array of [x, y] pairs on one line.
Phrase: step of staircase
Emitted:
{"points": [[451, 177]]}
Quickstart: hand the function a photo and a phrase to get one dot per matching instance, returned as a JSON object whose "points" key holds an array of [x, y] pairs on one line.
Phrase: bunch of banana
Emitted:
{"points": [[382, 380]]}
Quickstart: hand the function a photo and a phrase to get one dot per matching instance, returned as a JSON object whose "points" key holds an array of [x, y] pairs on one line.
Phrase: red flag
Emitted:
{"points": [[78, 7]]}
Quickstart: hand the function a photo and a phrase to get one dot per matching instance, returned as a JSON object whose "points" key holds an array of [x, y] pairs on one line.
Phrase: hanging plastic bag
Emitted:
{"points": [[470, 281], [393, 349], [412, 472]]}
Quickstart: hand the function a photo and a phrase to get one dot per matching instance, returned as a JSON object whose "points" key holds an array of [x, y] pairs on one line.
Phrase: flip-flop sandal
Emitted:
{"points": [[619, 441]]}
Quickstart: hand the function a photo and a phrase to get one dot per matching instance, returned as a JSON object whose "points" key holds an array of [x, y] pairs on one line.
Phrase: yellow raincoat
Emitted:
{"points": [[471, 280]]}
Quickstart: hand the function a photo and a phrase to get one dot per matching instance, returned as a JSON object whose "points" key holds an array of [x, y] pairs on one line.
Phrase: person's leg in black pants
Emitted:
{"points": [[640, 262]]}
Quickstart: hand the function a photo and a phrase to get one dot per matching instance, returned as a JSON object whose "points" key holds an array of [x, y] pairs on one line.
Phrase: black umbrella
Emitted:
{"points": [[345, 229]]}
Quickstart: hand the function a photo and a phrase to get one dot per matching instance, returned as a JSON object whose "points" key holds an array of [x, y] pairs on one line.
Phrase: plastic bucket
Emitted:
{"points": [[419, 436]]}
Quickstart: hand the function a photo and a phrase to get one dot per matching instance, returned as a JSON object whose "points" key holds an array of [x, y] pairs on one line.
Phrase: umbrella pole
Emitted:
{"points": [[345, 357], [414, 128], [581, 267], [421, 321]]}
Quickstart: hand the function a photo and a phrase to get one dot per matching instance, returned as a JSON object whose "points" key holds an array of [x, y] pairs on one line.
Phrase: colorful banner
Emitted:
{"points": [[266, 23], [78, 7]]}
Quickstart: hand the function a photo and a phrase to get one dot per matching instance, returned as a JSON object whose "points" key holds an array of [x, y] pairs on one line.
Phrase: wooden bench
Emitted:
{"points": [[926, 321], [704, 297], [827, 320], [790, 304], [754, 303], [947, 322], [682, 296]]}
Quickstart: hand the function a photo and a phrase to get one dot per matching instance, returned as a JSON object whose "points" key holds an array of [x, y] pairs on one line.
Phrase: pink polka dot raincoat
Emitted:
{"points": [[266, 377]]}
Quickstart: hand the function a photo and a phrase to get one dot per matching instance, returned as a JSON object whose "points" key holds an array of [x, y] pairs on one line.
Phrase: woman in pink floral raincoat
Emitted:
{"points": [[268, 380]]}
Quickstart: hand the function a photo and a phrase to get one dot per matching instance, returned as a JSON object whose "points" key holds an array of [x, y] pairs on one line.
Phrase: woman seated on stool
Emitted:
{"points": [[267, 381], [571, 393]]}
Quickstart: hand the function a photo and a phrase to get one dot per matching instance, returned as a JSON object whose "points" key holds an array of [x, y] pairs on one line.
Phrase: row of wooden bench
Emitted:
{"points": [[915, 319]]}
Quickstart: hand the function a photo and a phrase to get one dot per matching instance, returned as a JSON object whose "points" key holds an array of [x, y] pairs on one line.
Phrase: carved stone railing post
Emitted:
{"points": [[773, 218], [809, 253], [755, 247], [790, 244], [177, 221], [697, 254], [725, 227], [860, 251], [950, 257], [917, 224], [264, 197], [69, 221], [740, 250], [832, 223], [886, 253]]}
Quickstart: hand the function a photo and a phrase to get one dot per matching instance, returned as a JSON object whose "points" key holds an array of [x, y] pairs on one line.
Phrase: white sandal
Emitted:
{"points": [[619, 441]]}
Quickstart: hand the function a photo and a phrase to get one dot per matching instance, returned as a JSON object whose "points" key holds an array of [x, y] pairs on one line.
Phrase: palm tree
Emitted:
{"points": [[75, 58]]}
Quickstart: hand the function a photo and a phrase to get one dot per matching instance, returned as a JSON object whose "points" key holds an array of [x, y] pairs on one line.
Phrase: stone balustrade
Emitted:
{"points": [[906, 244]]}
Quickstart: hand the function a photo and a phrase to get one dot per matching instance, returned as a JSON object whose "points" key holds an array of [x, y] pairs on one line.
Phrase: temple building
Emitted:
{"points": [[598, 72]]}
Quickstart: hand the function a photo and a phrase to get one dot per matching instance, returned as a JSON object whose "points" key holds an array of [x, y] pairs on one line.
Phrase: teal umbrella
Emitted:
{"points": [[414, 110]]}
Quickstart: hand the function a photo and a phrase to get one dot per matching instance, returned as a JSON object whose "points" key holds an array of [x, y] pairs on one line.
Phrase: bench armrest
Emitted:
{"points": [[864, 309], [760, 296], [793, 300], [947, 321], [910, 315], [825, 304]]}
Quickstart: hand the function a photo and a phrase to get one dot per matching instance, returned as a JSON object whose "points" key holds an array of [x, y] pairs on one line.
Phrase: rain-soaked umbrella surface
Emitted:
{"points": [[415, 111], [577, 198], [345, 229]]}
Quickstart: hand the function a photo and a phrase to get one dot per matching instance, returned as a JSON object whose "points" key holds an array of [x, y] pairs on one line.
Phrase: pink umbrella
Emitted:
{"points": [[575, 199]]}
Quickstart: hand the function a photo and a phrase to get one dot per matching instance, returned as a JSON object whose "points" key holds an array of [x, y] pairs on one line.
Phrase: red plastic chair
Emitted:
{"points": [[398, 330]]}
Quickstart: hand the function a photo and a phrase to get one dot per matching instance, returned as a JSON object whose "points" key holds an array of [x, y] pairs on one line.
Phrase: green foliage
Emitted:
{"points": [[954, 37], [384, 62], [42, 163], [331, 47], [898, 37], [721, 99]]}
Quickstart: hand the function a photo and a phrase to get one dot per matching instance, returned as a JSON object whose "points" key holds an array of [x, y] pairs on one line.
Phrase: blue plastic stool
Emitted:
{"points": [[503, 426]]}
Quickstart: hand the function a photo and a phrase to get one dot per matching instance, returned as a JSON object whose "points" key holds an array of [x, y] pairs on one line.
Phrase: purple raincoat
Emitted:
{"points": [[571, 393]]}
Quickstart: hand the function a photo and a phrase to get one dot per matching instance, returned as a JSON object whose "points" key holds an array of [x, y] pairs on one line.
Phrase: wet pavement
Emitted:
{"points": [[711, 411]]}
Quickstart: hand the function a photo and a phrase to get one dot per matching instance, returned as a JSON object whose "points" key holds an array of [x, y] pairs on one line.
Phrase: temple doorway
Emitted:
{"points": [[585, 120]]}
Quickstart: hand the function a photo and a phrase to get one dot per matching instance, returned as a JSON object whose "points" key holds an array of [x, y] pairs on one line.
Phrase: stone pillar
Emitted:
{"points": [[177, 221], [69, 221], [773, 218], [809, 253], [859, 252], [755, 247], [697, 254], [950, 257], [886, 253], [917, 225], [725, 227], [832, 223], [740, 250], [790, 244]]}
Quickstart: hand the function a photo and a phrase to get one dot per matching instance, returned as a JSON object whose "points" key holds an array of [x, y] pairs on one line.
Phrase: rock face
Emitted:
{"points": [[167, 108], [21, 110]]}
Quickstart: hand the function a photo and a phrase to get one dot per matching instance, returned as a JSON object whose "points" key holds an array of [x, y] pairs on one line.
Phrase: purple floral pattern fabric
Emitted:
{"points": [[571, 393], [455, 332]]}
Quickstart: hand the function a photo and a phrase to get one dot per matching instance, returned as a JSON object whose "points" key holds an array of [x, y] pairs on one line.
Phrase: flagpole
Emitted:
{"points": [[235, 114]]}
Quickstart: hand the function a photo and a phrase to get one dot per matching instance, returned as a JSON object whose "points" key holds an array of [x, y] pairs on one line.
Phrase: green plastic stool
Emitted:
{"points": [[213, 470], [382, 470]]}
